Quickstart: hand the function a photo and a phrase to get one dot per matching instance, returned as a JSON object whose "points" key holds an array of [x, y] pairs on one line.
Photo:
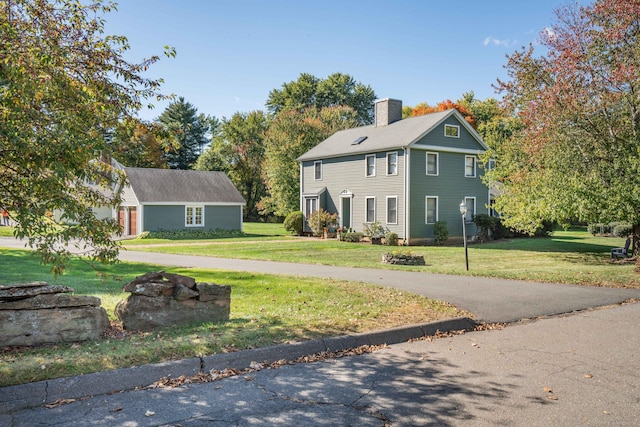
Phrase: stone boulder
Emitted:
{"points": [[402, 259], [37, 313], [162, 299]]}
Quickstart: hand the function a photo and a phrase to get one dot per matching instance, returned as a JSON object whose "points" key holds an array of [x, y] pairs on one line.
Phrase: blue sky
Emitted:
{"points": [[231, 54]]}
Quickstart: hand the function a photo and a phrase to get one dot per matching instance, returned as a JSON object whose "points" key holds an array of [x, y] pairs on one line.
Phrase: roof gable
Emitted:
{"points": [[182, 186], [399, 134]]}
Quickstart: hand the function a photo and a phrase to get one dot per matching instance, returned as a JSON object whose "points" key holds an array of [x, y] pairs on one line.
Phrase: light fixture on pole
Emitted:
{"points": [[463, 212]]}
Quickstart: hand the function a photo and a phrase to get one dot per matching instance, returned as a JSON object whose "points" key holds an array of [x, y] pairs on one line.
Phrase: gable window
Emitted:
{"points": [[370, 161], [392, 210], [432, 163], [194, 216], [371, 209], [431, 211], [470, 203], [452, 131], [317, 170], [392, 163], [470, 166]]}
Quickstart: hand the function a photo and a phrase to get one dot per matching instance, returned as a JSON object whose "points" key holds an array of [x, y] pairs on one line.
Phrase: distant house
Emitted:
{"points": [[169, 199], [405, 174]]}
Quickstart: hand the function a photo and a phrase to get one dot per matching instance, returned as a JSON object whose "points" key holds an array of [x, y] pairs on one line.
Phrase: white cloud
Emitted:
{"points": [[497, 42]]}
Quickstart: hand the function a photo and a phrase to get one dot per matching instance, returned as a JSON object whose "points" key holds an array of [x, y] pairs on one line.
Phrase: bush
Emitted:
{"points": [[440, 232], [500, 231], [321, 219], [375, 229], [391, 239], [598, 229], [190, 234], [623, 230], [294, 223], [484, 223], [351, 236]]}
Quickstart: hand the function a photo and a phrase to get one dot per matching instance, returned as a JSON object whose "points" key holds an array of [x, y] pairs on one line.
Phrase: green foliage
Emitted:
{"points": [[320, 219], [190, 234], [575, 156], [623, 230], [484, 223], [141, 145], [351, 236], [238, 149], [391, 239], [294, 223], [374, 229], [189, 131], [290, 135], [63, 84], [337, 90], [440, 232]]}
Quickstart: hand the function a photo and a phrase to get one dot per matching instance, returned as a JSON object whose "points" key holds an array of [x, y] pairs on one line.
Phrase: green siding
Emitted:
{"points": [[450, 186], [172, 217], [436, 137], [348, 173]]}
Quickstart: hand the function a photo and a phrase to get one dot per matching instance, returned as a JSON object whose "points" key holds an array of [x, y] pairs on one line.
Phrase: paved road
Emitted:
{"points": [[579, 370], [575, 370], [491, 300]]}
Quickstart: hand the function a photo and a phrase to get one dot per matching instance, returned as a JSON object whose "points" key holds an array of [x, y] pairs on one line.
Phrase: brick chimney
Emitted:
{"points": [[387, 111]]}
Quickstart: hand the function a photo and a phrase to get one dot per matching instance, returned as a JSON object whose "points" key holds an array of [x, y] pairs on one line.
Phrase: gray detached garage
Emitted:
{"points": [[169, 199]]}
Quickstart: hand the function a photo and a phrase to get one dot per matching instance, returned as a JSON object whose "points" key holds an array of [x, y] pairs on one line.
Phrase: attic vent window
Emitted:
{"points": [[359, 140]]}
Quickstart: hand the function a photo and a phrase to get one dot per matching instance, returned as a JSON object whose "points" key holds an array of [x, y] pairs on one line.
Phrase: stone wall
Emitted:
{"points": [[402, 259], [163, 299], [37, 313]]}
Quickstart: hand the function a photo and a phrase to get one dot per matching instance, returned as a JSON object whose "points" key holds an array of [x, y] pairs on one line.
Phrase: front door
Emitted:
{"points": [[345, 214]]}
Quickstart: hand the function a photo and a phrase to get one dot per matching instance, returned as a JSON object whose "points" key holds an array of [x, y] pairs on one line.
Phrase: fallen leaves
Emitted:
{"points": [[59, 402], [549, 392], [215, 375]]}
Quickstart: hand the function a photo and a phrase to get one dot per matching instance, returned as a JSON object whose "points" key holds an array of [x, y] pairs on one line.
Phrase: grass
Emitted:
{"points": [[571, 256], [6, 231], [265, 310]]}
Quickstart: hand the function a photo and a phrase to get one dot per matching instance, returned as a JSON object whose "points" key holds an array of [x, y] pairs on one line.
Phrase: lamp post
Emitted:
{"points": [[463, 212]]}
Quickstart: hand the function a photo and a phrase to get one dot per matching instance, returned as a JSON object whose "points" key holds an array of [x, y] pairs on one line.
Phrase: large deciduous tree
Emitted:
{"points": [[238, 149], [189, 130], [578, 154], [142, 145], [336, 90], [290, 135], [63, 86]]}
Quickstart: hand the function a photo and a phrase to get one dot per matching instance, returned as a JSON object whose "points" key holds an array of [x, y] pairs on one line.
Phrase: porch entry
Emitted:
{"points": [[346, 218]]}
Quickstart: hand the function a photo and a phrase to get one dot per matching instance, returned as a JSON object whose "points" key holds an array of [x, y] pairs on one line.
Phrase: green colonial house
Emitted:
{"points": [[403, 173]]}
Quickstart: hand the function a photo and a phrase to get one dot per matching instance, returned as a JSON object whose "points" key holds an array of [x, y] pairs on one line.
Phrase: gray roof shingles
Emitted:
{"points": [[176, 186], [396, 135]]}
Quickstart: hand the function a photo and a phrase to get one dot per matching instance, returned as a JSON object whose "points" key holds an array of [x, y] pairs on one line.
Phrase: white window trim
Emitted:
{"points": [[186, 217], [475, 166], [452, 126], [387, 209], [366, 210], [426, 215], [318, 162], [426, 159], [468, 216], [391, 153], [366, 165]]}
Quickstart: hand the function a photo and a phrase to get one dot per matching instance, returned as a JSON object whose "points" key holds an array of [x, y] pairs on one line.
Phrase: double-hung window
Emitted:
{"points": [[392, 210], [470, 203], [432, 163], [431, 211], [470, 166], [317, 170], [194, 216], [371, 209], [370, 161], [392, 163]]}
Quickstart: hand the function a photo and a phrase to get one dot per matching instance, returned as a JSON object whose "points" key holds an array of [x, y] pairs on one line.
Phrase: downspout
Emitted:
{"points": [[301, 188], [407, 171]]}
